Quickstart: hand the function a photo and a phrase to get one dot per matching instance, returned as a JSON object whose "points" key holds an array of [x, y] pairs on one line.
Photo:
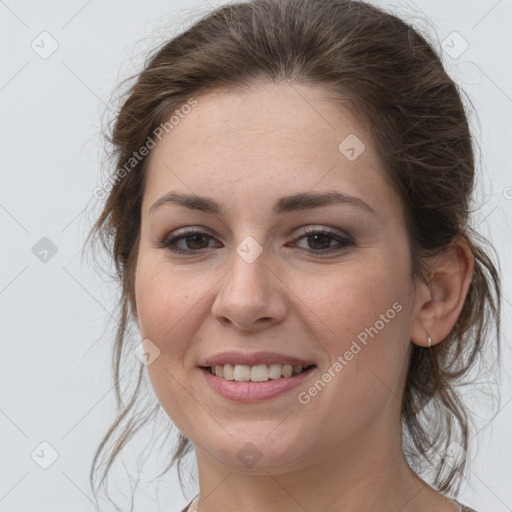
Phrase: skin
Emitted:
{"points": [[342, 450]]}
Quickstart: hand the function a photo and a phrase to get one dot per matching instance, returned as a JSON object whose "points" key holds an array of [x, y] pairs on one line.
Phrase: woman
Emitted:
{"points": [[289, 218]]}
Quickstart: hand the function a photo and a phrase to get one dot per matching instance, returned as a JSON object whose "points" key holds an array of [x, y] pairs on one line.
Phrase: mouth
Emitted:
{"points": [[261, 382], [256, 373]]}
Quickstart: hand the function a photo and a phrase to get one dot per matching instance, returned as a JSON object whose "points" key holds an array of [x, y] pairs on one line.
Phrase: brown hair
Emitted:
{"points": [[397, 85]]}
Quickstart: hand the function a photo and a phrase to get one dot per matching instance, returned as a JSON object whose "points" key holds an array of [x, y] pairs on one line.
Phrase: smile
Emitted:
{"points": [[256, 373], [236, 381]]}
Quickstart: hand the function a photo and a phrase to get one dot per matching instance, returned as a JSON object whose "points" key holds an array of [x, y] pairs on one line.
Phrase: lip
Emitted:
{"points": [[254, 391], [254, 359]]}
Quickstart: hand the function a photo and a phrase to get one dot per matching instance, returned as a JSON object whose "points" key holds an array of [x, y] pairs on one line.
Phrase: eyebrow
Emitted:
{"points": [[291, 203]]}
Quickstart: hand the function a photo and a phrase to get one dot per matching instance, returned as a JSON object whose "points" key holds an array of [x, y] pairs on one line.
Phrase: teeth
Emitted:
{"points": [[275, 371], [257, 373], [297, 369], [241, 373]]}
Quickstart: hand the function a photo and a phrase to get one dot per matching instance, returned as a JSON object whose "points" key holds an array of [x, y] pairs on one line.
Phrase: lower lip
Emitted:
{"points": [[254, 391]]}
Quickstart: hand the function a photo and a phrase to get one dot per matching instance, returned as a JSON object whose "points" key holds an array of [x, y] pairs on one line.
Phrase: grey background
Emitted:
{"points": [[55, 371]]}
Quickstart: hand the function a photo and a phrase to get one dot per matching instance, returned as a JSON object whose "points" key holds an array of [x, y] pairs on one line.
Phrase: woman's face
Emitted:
{"points": [[254, 281]]}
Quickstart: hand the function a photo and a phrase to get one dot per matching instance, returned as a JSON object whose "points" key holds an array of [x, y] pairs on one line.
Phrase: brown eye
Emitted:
{"points": [[320, 241], [186, 243], [195, 241]]}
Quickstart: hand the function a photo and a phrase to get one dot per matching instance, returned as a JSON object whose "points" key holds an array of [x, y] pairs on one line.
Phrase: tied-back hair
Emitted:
{"points": [[397, 87]]}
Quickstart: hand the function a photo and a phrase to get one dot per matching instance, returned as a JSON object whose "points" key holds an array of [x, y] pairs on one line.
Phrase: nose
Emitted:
{"points": [[251, 296]]}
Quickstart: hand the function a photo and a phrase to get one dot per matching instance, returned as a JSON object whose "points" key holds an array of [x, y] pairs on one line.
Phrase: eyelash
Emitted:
{"points": [[344, 241]]}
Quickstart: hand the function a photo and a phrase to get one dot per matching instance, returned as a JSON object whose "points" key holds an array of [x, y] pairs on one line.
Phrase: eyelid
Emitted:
{"points": [[316, 228], [182, 233], [343, 239], [311, 228]]}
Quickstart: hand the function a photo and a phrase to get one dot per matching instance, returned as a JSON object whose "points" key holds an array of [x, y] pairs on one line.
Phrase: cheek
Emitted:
{"points": [[365, 321], [169, 309], [355, 299], [165, 303]]}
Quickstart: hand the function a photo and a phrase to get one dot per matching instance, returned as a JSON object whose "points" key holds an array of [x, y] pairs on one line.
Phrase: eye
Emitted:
{"points": [[193, 240], [320, 239]]}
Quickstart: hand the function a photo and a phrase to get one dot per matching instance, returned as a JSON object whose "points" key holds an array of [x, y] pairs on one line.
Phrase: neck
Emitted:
{"points": [[363, 474]]}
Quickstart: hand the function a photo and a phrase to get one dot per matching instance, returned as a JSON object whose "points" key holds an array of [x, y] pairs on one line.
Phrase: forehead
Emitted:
{"points": [[261, 119], [268, 138]]}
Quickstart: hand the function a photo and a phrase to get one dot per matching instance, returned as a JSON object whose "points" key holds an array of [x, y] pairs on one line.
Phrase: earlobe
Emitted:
{"points": [[439, 303]]}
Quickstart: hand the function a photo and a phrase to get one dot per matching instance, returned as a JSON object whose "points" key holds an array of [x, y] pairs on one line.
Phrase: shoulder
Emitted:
{"points": [[463, 508]]}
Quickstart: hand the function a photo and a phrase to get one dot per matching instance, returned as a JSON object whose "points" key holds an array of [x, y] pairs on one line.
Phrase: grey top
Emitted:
{"points": [[463, 508]]}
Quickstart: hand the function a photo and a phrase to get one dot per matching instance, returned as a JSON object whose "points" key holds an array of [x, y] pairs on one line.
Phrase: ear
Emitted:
{"points": [[438, 304]]}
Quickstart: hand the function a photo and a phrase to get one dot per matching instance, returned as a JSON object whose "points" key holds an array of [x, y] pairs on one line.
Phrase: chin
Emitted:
{"points": [[258, 453]]}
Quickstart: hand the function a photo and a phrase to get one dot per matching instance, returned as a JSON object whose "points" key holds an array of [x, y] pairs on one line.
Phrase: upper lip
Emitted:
{"points": [[254, 359]]}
